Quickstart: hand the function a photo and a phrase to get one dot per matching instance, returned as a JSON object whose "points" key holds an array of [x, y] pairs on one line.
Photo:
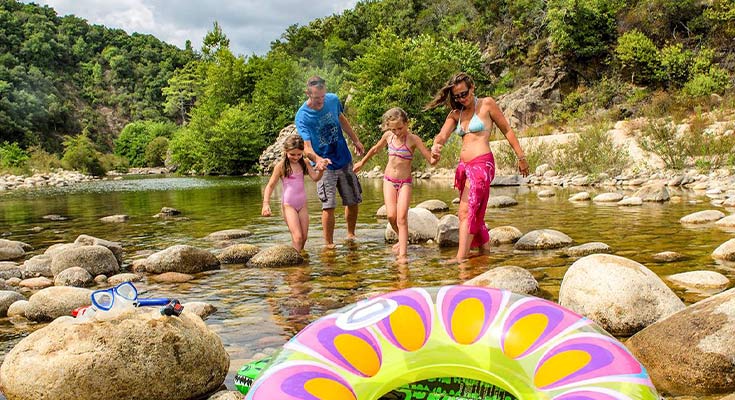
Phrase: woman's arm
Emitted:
{"points": [[277, 172], [502, 123], [313, 174], [419, 144], [373, 150], [449, 125]]}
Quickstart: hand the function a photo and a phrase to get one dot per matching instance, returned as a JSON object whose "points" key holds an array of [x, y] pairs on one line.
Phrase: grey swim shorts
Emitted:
{"points": [[343, 181]]}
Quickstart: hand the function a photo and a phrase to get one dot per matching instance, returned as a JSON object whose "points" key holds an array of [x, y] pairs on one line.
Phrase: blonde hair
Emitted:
{"points": [[393, 115], [292, 142], [444, 95]]}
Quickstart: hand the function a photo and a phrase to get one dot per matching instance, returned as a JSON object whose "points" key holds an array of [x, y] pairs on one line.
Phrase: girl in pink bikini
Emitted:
{"points": [[397, 181], [293, 205], [472, 119]]}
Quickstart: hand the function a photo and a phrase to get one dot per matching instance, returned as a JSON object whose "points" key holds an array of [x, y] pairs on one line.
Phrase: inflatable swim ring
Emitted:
{"points": [[530, 347]]}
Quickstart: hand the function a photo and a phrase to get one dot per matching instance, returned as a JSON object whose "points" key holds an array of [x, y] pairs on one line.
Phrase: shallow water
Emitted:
{"points": [[259, 309]]}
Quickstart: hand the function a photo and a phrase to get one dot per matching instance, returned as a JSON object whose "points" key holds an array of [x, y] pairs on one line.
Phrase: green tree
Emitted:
{"points": [[135, 138], [583, 29], [638, 57]]}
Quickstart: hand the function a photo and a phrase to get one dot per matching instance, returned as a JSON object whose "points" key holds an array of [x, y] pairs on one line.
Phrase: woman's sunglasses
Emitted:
{"points": [[461, 95]]}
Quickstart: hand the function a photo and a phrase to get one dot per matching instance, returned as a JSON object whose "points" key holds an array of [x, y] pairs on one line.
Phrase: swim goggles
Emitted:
{"points": [[104, 299]]}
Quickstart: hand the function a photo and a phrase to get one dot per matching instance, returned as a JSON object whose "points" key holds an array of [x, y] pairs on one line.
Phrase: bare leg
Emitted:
{"points": [[390, 199], [351, 217], [291, 216], [328, 227], [304, 223], [404, 199], [465, 239]]}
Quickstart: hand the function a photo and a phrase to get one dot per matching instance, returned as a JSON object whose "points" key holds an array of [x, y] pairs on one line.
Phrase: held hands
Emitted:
{"points": [[266, 211], [359, 148], [322, 163], [434, 158], [357, 167], [436, 150]]}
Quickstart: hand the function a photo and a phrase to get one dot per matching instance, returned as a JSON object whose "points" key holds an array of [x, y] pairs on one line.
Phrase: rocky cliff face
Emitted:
{"points": [[274, 152]]}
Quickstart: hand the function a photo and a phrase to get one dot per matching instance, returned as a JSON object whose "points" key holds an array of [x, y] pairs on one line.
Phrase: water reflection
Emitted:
{"points": [[259, 309]]}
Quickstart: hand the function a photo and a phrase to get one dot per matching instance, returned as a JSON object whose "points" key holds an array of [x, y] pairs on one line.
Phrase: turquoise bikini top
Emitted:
{"points": [[475, 125]]}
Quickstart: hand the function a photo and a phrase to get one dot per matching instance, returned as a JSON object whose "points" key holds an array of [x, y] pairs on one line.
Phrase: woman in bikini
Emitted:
{"points": [[291, 172], [397, 181], [472, 119]]}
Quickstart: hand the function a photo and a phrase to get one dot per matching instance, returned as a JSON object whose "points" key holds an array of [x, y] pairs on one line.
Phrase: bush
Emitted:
{"points": [[593, 152], [716, 80], [134, 138], [155, 152], [12, 156], [80, 155], [660, 138], [112, 162], [42, 161], [536, 153], [638, 57]]}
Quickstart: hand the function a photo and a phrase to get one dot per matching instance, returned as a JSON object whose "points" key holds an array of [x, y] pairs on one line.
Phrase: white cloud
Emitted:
{"points": [[249, 24]]}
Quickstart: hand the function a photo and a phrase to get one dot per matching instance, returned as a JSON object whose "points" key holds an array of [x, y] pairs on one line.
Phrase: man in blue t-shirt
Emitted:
{"points": [[320, 122]]}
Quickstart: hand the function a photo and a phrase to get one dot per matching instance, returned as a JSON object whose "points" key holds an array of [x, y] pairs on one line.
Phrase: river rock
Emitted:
{"points": [[172, 277], [143, 356], [621, 295], [725, 251], [728, 222], [226, 395], [181, 258], [276, 256], [200, 308], [10, 250], [18, 309], [702, 217], [631, 201], [237, 253], [501, 201], [433, 205], [668, 256], [701, 280], [447, 231], [7, 298], [581, 196], [9, 270], [422, 226], [508, 180], [608, 198], [56, 301], [228, 234], [655, 192], [510, 277], [504, 235], [36, 266], [545, 193], [59, 248], [692, 352], [95, 259], [120, 278], [114, 247], [115, 218], [382, 212], [543, 239], [74, 276], [36, 283], [587, 249]]}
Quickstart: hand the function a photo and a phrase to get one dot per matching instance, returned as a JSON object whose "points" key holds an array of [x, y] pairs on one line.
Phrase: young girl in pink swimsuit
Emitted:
{"points": [[397, 181], [293, 204]]}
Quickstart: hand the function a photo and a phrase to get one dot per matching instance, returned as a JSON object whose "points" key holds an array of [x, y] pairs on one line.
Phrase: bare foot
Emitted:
{"points": [[402, 259], [394, 249]]}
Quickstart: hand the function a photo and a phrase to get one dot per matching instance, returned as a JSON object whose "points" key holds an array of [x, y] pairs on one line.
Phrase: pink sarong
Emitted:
{"points": [[480, 171]]}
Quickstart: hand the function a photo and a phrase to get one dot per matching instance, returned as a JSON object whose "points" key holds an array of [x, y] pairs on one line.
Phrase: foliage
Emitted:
{"points": [[583, 29], [80, 155], [592, 152], [136, 136], [660, 138], [155, 152], [12, 156], [638, 56], [713, 81], [42, 161], [536, 153]]}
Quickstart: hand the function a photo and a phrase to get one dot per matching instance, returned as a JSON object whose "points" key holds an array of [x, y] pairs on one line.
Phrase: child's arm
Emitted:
{"points": [[381, 143], [277, 172], [419, 144], [313, 174]]}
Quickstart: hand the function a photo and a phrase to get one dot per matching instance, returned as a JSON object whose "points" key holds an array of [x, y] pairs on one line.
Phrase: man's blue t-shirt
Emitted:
{"points": [[322, 128]]}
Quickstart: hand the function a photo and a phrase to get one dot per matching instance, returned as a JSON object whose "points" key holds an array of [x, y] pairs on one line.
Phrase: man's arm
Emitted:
{"points": [[310, 154], [345, 124]]}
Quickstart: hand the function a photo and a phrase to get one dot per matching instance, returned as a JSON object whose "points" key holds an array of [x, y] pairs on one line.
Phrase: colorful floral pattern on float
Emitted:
{"points": [[533, 348]]}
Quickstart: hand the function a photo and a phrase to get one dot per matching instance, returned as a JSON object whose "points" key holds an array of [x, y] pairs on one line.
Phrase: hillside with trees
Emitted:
{"points": [[213, 112]]}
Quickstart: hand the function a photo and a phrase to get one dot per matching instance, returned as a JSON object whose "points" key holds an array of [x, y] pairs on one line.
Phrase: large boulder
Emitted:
{"points": [[504, 235], [181, 258], [543, 239], [655, 192], [114, 247], [238, 253], [447, 232], [433, 205], [422, 226], [56, 301], [692, 352], [276, 256], [621, 295], [97, 260], [137, 355]]}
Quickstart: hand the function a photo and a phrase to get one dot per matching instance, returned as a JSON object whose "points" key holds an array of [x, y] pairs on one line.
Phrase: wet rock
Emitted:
{"points": [[501, 201], [504, 235], [237, 254], [546, 193], [169, 211], [36, 266], [115, 218], [202, 309], [621, 295], [725, 251], [172, 277], [508, 180], [608, 198], [728, 221], [581, 196], [631, 201], [422, 226], [433, 205], [515, 279], [668, 256], [10, 270], [702, 217], [543, 239], [692, 352], [120, 278], [143, 353], [95, 259], [587, 249], [228, 234], [74, 276], [654, 192], [18, 308], [276, 256], [447, 231], [11, 250], [701, 280], [181, 258], [114, 247], [7, 298], [56, 301]]}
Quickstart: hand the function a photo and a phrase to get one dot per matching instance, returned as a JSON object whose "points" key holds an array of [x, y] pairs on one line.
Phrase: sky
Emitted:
{"points": [[249, 24]]}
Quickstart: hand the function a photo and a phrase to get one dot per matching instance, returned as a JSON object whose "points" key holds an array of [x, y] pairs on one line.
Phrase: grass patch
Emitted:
{"points": [[592, 153]]}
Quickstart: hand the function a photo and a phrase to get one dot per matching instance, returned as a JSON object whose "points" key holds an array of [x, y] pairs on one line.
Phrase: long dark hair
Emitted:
{"points": [[444, 95], [292, 142]]}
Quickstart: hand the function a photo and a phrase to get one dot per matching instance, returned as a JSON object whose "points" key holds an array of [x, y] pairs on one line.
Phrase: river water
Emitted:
{"points": [[259, 309]]}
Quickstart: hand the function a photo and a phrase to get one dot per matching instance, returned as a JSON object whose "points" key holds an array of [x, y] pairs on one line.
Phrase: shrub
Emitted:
{"points": [[638, 56], [134, 138], [42, 161], [660, 138], [113, 162], [592, 152], [716, 80], [536, 153], [155, 152], [12, 156], [80, 155], [676, 65]]}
